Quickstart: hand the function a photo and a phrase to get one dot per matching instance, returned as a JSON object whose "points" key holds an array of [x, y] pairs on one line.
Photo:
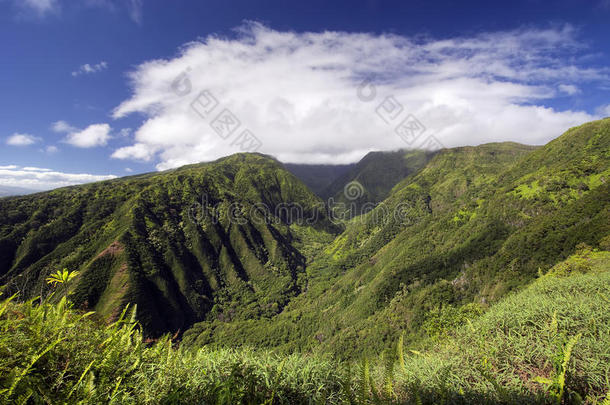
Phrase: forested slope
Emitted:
{"points": [[203, 239], [473, 225]]}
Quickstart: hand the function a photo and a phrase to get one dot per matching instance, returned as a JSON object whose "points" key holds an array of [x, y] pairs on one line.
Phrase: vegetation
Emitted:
{"points": [[463, 239], [547, 344], [483, 277], [183, 245]]}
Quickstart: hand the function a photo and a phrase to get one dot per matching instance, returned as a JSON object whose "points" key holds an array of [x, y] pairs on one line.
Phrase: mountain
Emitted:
{"points": [[370, 180], [220, 240], [481, 278], [242, 250], [473, 225], [318, 177], [546, 344]]}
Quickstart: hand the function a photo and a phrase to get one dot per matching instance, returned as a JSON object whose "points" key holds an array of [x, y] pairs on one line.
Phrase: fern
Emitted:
{"points": [[557, 384], [25, 371]]}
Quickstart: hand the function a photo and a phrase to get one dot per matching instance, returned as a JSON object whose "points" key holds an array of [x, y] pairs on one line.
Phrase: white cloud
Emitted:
{"points": [[88, 69], [39, 7], [93, 135], [297, 92], [51, 149], [44, 179], [22, 140], [139, 151], [129, 170], [35, 169], [569, 89], [63, 127]]}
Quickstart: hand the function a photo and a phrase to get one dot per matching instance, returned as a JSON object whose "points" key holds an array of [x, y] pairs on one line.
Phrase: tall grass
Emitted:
{"points": [[547, 344], [51, 353]]}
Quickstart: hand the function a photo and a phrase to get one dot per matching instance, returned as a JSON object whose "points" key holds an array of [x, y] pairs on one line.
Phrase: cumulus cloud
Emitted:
{"points": [[62, 126], [37, 178], [87, 69], [93, 135], [22, 140], [298, 92]]}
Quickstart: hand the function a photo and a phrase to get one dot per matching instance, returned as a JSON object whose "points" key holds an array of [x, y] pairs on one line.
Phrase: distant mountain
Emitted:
{"points": [[318, 177], [7, 191], [375, 174], [371, 179]]}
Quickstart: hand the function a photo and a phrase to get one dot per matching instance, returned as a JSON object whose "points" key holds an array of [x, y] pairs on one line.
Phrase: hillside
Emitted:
{"points": [[183, 245], [474, 224], [546, 344]]}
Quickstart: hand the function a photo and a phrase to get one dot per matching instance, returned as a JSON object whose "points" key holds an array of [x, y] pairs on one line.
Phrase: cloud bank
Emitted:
{"points": [[36, 178], [298, 93]]}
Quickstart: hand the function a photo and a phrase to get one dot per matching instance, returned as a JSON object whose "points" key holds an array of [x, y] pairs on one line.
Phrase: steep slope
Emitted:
{"points": [[461, 233], [183, 245], [515, 363]]}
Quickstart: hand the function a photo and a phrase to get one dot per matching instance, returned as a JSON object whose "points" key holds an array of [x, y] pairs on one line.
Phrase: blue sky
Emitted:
{"points": [[88, 87]]}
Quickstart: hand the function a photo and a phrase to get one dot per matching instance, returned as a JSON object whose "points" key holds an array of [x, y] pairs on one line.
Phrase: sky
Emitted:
{"points": [[97, 89]]}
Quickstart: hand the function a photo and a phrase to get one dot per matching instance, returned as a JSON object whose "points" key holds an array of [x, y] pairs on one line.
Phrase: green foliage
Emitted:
{"points": [[54, 354], [557, 384], [61, 277], [462, 240], [153, 241]]}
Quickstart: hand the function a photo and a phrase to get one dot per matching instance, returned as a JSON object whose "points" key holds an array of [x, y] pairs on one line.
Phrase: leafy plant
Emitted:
{"points": [[61, 277]]}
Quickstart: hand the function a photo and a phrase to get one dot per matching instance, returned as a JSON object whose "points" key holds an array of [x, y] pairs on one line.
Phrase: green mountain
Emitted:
{"points": [[370, 180], [210, 240], [247, 254], [474, 224], [318, 177]]}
